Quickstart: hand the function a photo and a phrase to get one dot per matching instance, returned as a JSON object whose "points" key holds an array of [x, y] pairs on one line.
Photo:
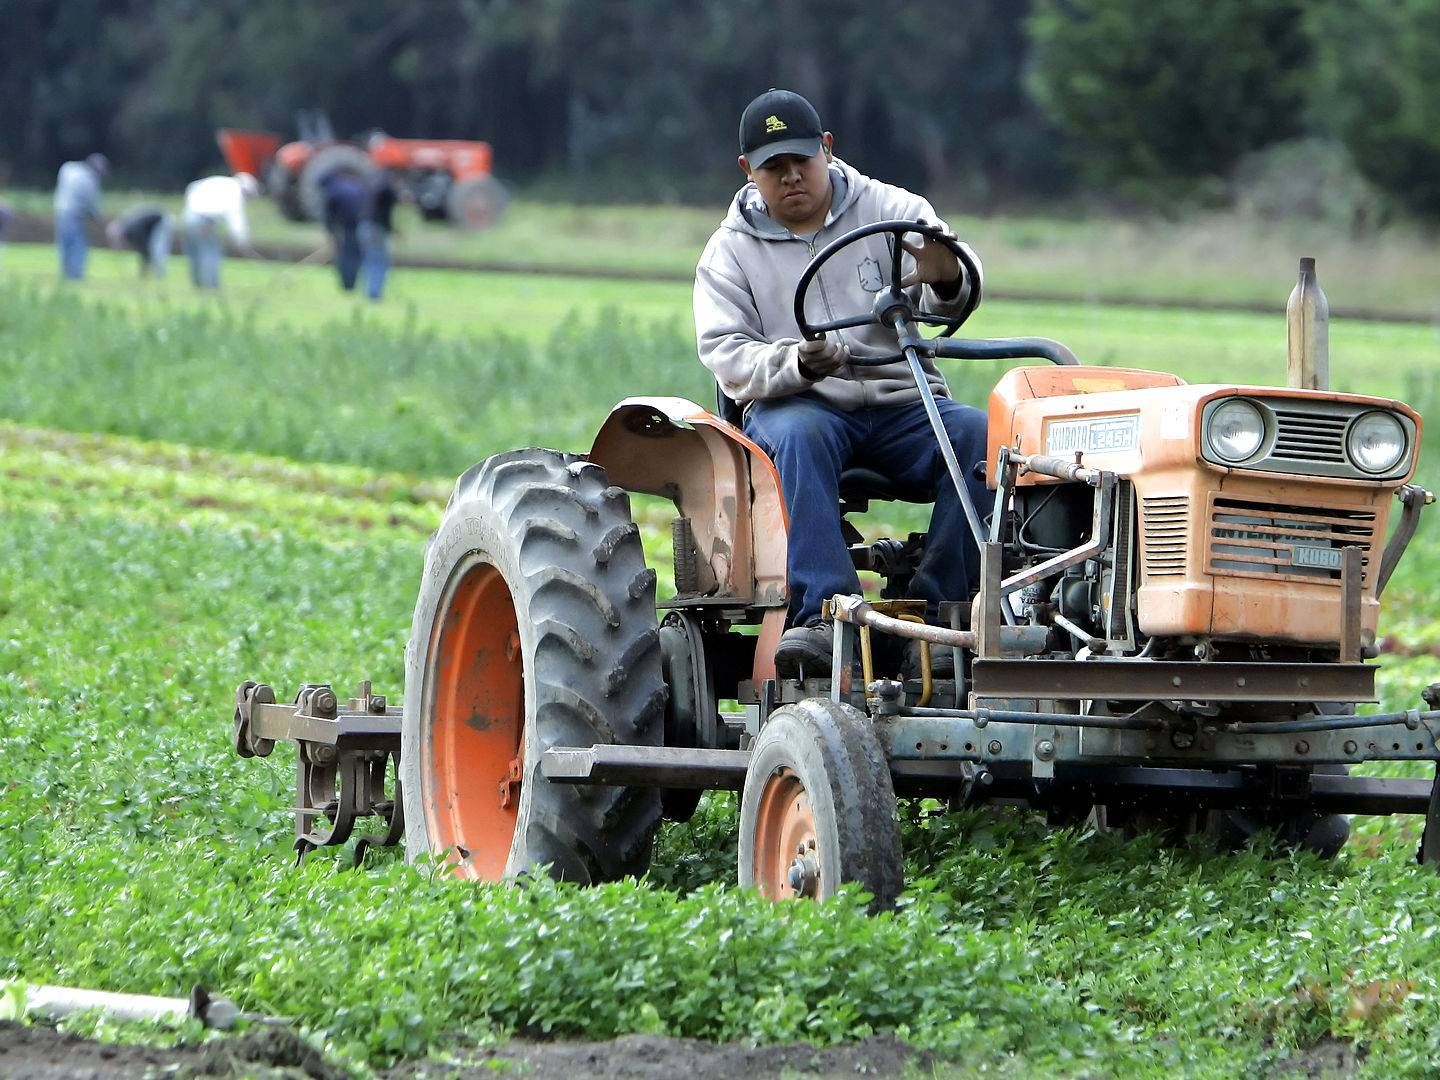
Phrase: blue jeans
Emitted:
{"points": [[73, 245], [347, 254], [156, 256], [375, 257], [202, 245], [812, 442]]}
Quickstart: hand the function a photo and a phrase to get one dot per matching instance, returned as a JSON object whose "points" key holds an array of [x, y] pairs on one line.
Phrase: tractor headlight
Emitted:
{"points": [[1236, 430], [1376, 442]]}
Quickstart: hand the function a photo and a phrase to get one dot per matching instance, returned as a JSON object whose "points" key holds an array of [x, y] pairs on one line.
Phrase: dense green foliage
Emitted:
{"points": [[142, 581], [1168, 93], [562, 87], [1153, 97], [1378, 91]]}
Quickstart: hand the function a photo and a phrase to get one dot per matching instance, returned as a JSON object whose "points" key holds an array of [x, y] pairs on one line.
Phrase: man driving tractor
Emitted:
{"points": [[812, 410]]}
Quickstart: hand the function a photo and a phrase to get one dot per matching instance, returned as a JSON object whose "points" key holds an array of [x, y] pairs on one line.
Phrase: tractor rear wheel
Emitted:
{"points": [[535, 627], [818, 809], [336, 158], [284, 188]]}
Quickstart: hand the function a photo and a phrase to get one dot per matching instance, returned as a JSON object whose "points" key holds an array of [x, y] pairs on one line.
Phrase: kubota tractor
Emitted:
{"points": [[1179, 593], [447, 179]]}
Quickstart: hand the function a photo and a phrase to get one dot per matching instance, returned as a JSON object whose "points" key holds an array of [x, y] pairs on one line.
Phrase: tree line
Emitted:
{"points": [[988, 101]]}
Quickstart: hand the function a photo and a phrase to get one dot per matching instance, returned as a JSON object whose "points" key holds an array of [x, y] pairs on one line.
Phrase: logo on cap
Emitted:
{"points": [[773, 124]]}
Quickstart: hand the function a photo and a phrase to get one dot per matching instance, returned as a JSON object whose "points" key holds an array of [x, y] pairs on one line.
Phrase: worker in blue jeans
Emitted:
{"points": [[77, 203], [804, 403]]}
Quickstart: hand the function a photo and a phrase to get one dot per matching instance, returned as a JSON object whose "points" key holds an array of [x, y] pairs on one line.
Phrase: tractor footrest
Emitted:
{"points": [[646, 766]]}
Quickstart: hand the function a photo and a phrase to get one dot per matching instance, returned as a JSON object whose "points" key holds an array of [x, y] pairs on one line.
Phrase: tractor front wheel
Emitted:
{"points": [[818, 809], [534, 627]]}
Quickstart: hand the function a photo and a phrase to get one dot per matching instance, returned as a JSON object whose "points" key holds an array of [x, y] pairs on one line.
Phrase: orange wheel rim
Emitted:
{"points": [[475, 740], [787, 858]]}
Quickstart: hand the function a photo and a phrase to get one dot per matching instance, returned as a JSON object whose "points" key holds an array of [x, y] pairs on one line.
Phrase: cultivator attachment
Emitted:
{"points": [[347, 760]]}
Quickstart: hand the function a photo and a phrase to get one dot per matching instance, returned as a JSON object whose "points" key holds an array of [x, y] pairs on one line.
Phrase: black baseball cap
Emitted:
{"points": [[779, 122]]}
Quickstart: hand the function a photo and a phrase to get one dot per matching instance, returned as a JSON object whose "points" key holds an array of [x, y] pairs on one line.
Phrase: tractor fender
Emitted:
{"points": [[725, 484]]}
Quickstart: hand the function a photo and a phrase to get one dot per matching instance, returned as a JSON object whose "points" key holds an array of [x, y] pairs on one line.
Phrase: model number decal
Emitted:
{"points": [[1101, 435]]}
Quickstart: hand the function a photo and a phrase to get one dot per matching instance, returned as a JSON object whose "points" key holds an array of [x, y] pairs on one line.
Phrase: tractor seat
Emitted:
{"points": [[857, 486]]}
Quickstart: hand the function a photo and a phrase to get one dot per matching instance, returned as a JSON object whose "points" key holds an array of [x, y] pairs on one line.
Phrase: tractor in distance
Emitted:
{"points": [[1179, 593], [446, 179]]}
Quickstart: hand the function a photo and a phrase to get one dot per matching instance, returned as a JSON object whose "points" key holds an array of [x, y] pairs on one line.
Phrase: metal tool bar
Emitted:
{"points": [[347, 731], [646, 766], [1411, 718], [1179, 680]]}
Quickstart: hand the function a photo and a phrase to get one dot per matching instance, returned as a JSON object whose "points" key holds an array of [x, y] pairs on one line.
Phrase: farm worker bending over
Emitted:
{"points": [[805, 405], [77, 203], [209, 202], [146, 231], [346, 197]]}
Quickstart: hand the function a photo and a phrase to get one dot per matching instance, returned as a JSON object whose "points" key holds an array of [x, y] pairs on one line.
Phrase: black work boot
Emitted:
{"points": [[804, 651]]}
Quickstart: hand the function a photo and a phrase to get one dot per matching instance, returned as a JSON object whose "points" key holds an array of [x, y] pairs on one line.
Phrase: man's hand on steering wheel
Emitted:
{"points": [[935, 265], [818, 359]]}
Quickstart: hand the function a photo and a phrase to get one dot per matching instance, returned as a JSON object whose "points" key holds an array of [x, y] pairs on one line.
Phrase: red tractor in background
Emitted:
{"points": [[448, 179]]}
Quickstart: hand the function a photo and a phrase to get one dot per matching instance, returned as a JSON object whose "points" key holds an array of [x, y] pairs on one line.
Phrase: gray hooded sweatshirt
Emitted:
{"points": [[745, 297]]}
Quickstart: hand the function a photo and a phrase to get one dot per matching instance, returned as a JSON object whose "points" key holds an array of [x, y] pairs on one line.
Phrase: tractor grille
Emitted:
{"points": [[1287, 541], [1309, 437], [1166, 519]]}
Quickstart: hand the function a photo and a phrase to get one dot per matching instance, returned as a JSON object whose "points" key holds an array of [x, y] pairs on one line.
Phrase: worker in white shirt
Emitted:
{"points": [[209, 202]]}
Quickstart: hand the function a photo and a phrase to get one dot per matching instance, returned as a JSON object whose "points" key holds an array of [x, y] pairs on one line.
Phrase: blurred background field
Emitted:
{"points": [[1203, 259]]}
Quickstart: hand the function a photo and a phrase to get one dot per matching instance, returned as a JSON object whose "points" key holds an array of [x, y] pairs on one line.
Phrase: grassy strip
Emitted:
{"points": [[154, 858], [431, 395], [1213, 258]]}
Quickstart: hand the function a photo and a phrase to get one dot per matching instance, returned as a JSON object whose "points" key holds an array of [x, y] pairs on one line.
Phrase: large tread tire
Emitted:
{"points": [[534, 627], [827, 757], [339, 157], [283, 187]]}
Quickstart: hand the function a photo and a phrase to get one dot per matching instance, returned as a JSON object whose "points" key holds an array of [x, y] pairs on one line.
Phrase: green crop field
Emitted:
{"points": [[195, 491]]}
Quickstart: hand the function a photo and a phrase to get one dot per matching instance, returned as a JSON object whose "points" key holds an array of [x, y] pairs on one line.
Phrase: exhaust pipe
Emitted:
{"points": [[1307, 318]]}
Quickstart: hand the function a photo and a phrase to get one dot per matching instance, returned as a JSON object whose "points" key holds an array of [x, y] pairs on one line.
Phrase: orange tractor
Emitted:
{"points": [[1179, 592], [447, 179]]}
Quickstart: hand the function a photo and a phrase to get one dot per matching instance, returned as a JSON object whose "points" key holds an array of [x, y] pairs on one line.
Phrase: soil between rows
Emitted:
{"points": [[37, 1052]]}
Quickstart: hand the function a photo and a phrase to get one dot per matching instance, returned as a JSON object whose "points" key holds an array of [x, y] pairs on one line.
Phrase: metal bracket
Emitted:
{"points": [[1413, 501]]}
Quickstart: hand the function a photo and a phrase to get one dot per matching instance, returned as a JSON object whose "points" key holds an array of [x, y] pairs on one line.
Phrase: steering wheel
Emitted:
{"points": [[890, 302], [893, 307]]}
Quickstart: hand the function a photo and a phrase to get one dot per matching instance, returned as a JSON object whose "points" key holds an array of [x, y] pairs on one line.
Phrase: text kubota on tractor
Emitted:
{"points": [[447, 179], [1179, 592]]}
